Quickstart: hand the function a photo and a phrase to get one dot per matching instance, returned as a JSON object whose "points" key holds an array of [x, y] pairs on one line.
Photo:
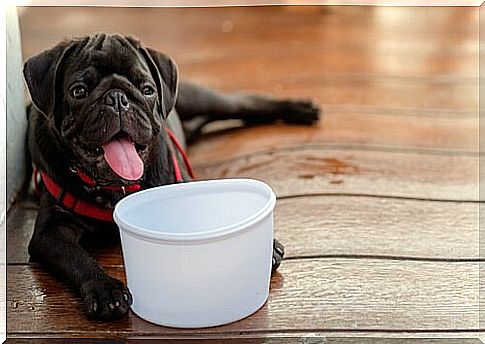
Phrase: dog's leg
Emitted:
{"points": [[54, 244], [197, 106]]}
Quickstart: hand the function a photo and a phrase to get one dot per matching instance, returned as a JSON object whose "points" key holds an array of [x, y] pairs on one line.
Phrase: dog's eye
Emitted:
{"points": [[79, 92], [147, 91]]}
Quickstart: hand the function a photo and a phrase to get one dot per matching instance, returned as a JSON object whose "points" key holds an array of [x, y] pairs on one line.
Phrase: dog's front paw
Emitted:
{"points": [[299, 111], [278, 253], [106, 298]]}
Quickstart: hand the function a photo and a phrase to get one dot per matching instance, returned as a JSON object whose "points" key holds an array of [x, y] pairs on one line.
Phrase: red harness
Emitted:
{"points": [[97, 212]]}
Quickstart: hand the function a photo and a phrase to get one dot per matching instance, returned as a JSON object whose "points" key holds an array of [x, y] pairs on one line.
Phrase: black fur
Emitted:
{"points": [[66, 133]]}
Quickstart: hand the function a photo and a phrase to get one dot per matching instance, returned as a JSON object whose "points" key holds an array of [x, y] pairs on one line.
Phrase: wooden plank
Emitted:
{"points": [[315, 170], [343, 340], [379, 337], [323, 294], [362, 226], [290, 339], [364, 129], [321, 226], [262, 69]]}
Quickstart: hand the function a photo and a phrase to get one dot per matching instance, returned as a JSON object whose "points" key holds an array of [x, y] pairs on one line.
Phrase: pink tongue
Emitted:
{"points": [[121, 156]]}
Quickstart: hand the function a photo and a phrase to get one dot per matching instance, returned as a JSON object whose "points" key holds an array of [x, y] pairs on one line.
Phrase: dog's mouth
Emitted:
{"points": [[122, 155]]}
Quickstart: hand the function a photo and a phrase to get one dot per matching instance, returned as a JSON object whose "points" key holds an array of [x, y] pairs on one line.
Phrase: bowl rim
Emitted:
{"points": [[202, 236]]}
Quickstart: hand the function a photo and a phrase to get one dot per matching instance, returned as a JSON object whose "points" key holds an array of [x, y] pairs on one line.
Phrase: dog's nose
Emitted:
{"points": [[117, 100]]}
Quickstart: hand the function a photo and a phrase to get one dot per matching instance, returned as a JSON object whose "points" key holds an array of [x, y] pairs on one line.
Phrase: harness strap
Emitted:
{"points": [[74, 204], [178, 172]]}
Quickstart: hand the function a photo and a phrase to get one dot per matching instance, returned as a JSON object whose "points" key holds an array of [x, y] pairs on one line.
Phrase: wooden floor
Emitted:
{"points": [[377, 204]]}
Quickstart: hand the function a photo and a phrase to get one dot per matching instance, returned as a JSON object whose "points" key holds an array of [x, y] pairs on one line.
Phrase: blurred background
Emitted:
{"points": [[304, 51]]}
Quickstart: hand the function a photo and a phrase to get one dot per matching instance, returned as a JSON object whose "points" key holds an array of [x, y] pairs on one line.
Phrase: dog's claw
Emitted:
{"points": [[106, 298], [278, 253], [279, 249]]}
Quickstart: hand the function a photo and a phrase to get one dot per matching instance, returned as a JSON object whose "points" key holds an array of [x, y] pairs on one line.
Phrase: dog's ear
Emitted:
{"points": [[165, 73], [40, 74]]}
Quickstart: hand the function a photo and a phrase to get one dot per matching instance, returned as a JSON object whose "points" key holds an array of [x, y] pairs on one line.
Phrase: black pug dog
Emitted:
{"points": [[99, 129]]}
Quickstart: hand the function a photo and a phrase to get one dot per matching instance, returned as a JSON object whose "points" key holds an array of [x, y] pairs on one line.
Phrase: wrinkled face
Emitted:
{"points": [[107, 97], [109, 111]]}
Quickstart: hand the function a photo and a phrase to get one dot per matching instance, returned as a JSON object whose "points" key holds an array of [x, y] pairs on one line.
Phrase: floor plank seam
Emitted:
{"points": [[330, 146], [256, 332], [326, 257], [341, 194], [384, 257]]}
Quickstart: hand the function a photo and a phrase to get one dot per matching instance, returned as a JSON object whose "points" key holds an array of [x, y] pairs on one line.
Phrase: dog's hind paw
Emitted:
{"points": [[106, 298], [278, 253], [299, 111]]}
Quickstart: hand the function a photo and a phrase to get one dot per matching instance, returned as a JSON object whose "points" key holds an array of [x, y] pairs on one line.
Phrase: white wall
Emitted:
{"points": [[16, 118], [12, 137], [3, 210]]}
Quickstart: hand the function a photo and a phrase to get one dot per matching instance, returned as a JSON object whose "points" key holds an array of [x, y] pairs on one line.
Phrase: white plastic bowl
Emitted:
{"points": [[198, 254]]}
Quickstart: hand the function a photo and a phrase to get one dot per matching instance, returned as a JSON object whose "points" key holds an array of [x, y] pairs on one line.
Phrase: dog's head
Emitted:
{"points": [[105, 98]]}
